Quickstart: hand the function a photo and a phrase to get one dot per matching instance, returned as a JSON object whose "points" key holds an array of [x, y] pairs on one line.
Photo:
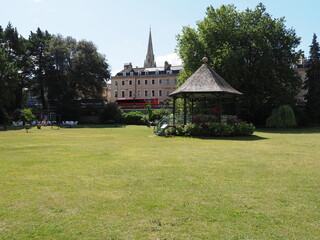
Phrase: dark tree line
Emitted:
{"points": [[55, 70], [312, 83], [250, 50]]}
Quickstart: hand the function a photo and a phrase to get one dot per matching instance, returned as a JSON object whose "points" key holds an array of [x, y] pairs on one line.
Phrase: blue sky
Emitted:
{"points": [[120, 28]]}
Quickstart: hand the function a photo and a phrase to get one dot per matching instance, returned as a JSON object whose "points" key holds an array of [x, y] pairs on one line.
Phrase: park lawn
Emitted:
{"points": [[125, 183]]}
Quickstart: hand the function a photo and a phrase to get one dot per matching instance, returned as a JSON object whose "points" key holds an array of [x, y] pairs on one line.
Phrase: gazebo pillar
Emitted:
{"points": [[185, 109], [174, 110], [220, 107], [192, 101]]}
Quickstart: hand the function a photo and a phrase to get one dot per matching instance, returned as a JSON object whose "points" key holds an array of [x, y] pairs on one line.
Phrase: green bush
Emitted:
{"points": [[212, 129], [135, 118], [243, 129], [180, 130], [282, 116], [111, 113], [27, 115], [158, 114]]}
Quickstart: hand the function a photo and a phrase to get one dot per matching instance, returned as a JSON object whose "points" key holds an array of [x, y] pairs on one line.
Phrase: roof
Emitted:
{"points": [[205, 80], [175, 69]]}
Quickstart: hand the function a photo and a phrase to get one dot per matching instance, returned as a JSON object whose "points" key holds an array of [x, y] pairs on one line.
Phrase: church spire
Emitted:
{"points": [[149, 62]]}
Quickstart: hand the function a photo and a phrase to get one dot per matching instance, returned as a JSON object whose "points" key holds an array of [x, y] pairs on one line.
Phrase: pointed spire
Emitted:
{"points": [[149, 62]]}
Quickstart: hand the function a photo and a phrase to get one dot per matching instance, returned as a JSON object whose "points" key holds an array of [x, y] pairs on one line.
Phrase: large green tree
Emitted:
{"points": [[312, 83], [38, 46], [16, 48], [77, 71], [250, 50], [13, 70]]}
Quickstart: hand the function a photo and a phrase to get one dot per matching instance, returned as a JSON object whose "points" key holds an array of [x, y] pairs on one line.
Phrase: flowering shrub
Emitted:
{"points": [[212, 129], [217, 112]]}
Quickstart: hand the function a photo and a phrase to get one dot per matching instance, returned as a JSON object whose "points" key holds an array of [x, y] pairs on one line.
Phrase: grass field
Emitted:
{"points": [[125, 183]]}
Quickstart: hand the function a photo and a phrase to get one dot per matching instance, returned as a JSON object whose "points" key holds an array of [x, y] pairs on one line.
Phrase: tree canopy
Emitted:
{"points": [[251, 50], [55, 70], [312, 83]]}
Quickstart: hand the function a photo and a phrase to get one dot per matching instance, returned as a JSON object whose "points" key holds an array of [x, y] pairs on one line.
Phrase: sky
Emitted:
{"points": [[120, 28]]}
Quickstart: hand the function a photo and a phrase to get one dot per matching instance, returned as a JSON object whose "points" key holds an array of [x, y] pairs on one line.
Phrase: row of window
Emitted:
{"points": [[139, 82], [140, 93], [147, 73]]}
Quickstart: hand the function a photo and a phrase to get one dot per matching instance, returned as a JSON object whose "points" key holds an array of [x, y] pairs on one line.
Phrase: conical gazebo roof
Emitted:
{"points": [[204, 81]]}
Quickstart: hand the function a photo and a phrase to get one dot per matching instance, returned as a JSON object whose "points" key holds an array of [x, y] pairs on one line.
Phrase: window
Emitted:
{"points": [[115, 83], [168, 92], [124, 74], [153, 82], [157, 72], [160, 81], [122, 93], [160, 93], [168, 81], [115, 94], [139, 73], [146, 72], [122, 83], [131, 73], [130, 93], [146, 93], [130, 82], [146, 82], [175, 81], [169, 72], [138, 93], [138, 82], [152, 93]]}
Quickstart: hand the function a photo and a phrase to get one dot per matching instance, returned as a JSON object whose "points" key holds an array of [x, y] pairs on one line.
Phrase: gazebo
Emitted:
{"points": [[204, 83]]}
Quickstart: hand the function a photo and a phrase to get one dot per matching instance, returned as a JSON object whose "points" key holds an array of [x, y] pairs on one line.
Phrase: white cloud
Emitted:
{"points": [[171, 58]]}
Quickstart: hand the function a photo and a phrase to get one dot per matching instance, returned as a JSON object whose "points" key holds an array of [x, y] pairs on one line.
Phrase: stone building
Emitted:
{"points": [[148, 81], [301, 68]]}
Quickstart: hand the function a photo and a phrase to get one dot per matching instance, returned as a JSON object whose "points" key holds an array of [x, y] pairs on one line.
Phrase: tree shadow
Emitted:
{"points": [[99, 126], [239, 138], [55, 127], [11, 128], [305, 130]]}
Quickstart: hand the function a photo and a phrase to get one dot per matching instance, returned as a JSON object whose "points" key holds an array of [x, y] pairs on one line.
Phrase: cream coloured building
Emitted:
{"points": [[148, 81]]}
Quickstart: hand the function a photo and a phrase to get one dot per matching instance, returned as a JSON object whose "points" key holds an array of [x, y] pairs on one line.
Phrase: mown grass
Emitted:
{"points": [[125, 183]]}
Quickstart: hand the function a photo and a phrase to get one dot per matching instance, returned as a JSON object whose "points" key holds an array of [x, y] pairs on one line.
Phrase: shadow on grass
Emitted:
{"points": [[99, 126], [305, 130], [242, 138], [13, 128]]}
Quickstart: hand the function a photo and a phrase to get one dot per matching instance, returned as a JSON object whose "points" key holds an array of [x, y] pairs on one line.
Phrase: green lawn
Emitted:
{"points": [[125, 183]]}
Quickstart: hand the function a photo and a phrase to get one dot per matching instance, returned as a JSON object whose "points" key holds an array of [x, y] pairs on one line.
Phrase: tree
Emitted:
{"points": [[282, 117], [250, 50], [13, 70], [16, 50], [312, 83], [38, 45], [7, 84], [111, 113], [75, 71]]}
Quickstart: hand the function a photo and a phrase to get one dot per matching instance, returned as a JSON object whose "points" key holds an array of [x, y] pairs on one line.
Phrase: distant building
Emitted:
{"points": [[301, 68], [148, 81], [106, 93]]}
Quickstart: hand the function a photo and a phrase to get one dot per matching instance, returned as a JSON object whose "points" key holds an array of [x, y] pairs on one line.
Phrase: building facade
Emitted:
{"points": [[148, 81], [301, 68]]}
